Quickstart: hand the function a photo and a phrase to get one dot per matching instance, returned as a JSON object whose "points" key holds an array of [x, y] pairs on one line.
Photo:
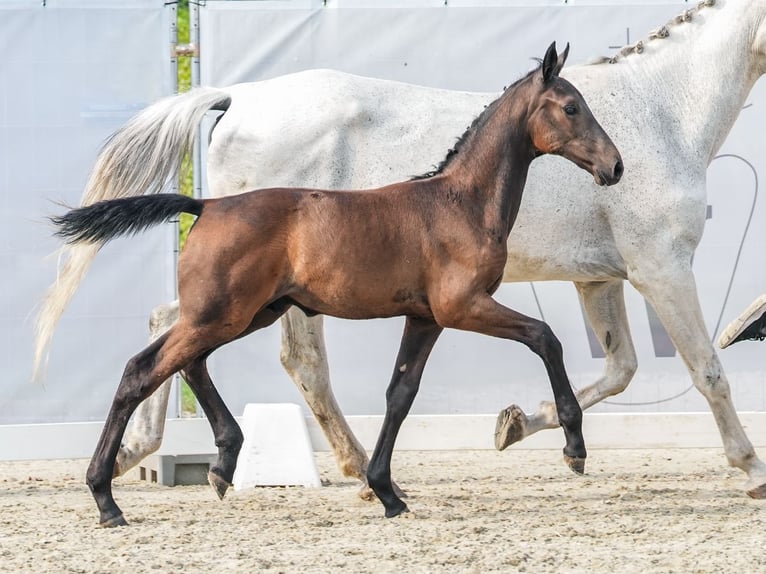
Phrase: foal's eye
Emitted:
{"points": [[570, 109]]}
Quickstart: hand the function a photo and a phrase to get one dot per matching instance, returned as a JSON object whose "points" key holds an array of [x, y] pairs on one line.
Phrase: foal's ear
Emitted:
{"points": [[562, 59], [550, 63]]}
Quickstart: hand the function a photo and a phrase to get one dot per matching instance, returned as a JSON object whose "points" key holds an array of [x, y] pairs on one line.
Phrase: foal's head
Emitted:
{"points": [[561, 123]]}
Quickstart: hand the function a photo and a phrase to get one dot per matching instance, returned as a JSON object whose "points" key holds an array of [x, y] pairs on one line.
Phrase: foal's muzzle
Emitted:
{"points": [[610, 177]]}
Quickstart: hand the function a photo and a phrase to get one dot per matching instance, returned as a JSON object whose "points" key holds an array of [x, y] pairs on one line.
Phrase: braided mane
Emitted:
{"points": [[659, 34]]}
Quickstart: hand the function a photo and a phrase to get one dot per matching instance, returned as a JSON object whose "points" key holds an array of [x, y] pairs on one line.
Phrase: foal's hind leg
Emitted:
{"points": [[604, 305], [305, 359], [226, 431], [145, 430], [143, 374]]}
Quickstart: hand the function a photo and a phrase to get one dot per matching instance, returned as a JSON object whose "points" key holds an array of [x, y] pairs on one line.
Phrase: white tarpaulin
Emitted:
{"points": [[483, 46], [70, 74]]}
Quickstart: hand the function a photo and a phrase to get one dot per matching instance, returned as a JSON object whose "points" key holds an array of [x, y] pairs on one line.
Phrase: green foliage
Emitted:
{"points": [[186, 184]]}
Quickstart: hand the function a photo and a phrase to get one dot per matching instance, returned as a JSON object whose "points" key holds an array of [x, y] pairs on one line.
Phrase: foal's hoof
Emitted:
{"points": [[114, 521], [220, 486], [510, 427], [575, 463], [394, 512], [759, 492]]}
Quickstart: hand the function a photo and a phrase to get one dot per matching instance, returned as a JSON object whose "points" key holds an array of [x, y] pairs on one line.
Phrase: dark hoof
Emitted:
{"points": [[114, 521], [392, 513], [220, 486], [759, 492], [575, 463], [510, 427]]}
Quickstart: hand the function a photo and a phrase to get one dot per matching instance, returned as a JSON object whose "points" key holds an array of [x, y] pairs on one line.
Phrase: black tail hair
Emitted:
{"points": [[106, 220]]}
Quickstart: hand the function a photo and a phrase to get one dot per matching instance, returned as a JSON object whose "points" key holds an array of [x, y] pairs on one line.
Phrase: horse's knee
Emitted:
{"points": [[543, 340], [711, 381]]}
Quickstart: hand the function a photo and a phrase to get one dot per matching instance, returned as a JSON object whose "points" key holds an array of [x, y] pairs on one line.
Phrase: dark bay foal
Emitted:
{"points": [[432, 249]]}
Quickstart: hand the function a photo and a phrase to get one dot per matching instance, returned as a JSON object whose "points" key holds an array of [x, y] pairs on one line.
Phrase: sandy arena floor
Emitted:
{"points": [[639, 511]]}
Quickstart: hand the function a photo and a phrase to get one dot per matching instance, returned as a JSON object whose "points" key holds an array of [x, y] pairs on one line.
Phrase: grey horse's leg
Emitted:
{"points": [[604, 305], [672, 292], [147, 427], [305, 359]]}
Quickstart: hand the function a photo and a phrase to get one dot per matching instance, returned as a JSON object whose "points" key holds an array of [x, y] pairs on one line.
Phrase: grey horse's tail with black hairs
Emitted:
{"points": [[106, 220]]}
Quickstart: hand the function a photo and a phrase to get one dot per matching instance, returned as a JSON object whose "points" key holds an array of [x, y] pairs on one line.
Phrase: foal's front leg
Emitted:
{"points": [[604, 304], [417, 341], [484, 315]]}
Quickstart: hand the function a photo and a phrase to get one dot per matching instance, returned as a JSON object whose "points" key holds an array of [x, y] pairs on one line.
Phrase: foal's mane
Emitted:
{"points": [[478, 123], [659, 34]]}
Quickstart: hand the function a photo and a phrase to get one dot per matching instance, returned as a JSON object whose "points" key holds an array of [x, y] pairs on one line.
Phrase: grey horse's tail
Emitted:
{"points": [[138, 159]]}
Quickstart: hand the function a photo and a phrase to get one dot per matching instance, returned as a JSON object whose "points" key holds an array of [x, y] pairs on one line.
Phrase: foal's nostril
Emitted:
{"points": [[618, 169]]}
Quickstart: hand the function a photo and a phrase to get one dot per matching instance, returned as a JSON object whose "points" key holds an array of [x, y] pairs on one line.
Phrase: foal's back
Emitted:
{"points": [[323, 249]]}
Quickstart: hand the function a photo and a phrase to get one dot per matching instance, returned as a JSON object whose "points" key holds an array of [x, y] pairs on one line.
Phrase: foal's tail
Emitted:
{"points": [[138, 159], [105, 220]]}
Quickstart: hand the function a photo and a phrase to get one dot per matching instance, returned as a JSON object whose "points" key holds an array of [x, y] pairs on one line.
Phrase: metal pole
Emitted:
{"points": [[174, 187], [195, 83]]}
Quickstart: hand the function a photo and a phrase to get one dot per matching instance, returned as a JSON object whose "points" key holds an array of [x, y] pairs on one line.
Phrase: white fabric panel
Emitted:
{"points": [[484, 45], [71, 74]]}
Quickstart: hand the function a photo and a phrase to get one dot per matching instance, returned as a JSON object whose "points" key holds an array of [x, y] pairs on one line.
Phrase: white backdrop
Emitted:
{"points": [[475, 45], [72, 72]]}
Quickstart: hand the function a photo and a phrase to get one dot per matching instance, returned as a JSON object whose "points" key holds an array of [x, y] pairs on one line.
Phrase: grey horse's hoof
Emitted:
{"points": [[759, 492], [510, 427], [368, 494]]}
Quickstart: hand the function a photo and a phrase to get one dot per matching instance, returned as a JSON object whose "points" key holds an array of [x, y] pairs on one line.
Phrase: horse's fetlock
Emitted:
{"points": [[377, 478], [570, 415], [350, 469], [232, 441], [96, 479]]}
